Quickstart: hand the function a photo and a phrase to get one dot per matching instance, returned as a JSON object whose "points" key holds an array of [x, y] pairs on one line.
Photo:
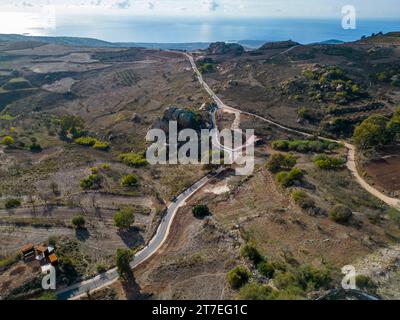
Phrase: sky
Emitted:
{"points": [[91, 18], [209, 8]]}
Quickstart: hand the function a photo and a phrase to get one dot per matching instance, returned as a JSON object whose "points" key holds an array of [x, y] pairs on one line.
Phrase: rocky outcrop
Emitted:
{"points": [[219, 48], [279, 45], [185, 119]]}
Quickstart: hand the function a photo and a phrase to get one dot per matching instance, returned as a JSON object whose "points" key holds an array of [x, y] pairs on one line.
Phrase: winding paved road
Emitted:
{"points": [[105, 279], [79, 289], [351, 157]]}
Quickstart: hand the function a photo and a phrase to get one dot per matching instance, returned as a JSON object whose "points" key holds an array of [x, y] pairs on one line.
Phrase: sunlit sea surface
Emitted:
{"points": [[182, 30]]}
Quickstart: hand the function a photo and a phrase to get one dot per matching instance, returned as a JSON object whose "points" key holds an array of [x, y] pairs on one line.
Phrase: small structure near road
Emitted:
{"points": [[42, 253], [28, 252]]}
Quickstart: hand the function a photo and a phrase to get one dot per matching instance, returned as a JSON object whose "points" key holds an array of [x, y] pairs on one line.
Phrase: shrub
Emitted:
{"points": [[124, 218], [86, 141], [279, 161], [288, 179], [340, 213], [78, 222], [282, 145], [101, 145], [71, 126], [7, 141], [12, 203], [106, 166], [238, 277], [201, 211], [250, 252], [133, 159], [302, 199], [394, 215], [130, 180], [266, 269], [304, 146], [373, 132], [255, 291], [93, 142], [35, 147], [123, 260], [48, 296], [91, 182], [325, 162]]}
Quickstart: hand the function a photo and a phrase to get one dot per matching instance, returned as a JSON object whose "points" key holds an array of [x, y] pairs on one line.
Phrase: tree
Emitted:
{"points": [[238, 277], [201, 211], [78, 221], [250, 252], [302, 199], [123, 260], [340, 213], [279, 161], [373, 132], [12, 203], [393, 125], [71, 126], [8, 141], [130, 180], [124, 218]]}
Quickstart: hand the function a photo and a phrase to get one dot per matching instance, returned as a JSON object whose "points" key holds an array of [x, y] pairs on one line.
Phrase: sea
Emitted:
{"points": [[181, 30]]}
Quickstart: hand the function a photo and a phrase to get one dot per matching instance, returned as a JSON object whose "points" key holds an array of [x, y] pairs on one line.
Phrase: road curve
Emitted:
{"points": [[351, 158], [81, 288]]}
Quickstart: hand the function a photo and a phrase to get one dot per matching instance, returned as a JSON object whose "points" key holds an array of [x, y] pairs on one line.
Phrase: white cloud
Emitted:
{"points": [[220, 8], [211, 5]]}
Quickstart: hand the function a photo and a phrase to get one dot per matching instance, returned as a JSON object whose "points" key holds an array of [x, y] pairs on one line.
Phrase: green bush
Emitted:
{"points": [[238, 277], [373, 132], [340, 213], [123, 259], [266, 269], [288, 179], [279, 161], [250, 252], [86, 141], [124, 218], [35, 147], [48, 296], [302, 199], [7, 141], [91, 182], [325, 162], [12, 203], [93, 142], [78, 221], [304, 146], [201, 211], [255, 291], [130, 180], [101, 145], [133, 159]]}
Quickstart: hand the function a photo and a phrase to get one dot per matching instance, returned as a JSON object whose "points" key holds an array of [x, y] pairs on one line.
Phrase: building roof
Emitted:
{"points": [[26, 248], [41, 248], [53, 258]]}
